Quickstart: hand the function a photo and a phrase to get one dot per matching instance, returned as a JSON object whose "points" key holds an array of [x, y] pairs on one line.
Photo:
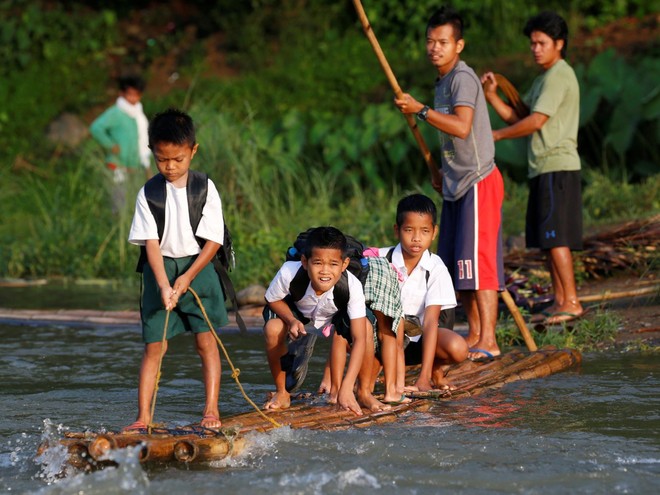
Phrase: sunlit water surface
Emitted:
{"points": [[595, 430]]}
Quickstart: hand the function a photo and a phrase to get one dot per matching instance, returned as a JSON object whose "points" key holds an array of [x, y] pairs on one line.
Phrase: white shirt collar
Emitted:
{"points": [[398, 261]]}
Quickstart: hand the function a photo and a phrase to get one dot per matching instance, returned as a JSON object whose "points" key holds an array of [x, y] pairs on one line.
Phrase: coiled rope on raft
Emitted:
{"points": [[235, 372]]}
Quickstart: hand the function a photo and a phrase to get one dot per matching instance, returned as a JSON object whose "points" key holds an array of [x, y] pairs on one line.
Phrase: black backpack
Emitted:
{"points": [[358, 266], [155, 191]]}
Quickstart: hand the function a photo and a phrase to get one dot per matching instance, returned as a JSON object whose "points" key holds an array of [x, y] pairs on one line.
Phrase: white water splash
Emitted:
{"points": [[341, 482], [126, 476], [53, 460], [356, 477], [257, 446]]}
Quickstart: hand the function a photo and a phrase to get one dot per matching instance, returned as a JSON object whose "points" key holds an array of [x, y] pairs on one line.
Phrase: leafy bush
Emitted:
{"points": [[620, 115], [52, 59]]}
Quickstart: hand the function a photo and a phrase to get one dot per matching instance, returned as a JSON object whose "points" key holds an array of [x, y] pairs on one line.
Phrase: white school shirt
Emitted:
{"points": [[178, 237], [319, 309], [416, 292]]}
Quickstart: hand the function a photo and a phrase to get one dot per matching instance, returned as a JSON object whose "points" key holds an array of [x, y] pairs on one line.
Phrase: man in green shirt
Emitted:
{"points": [[554, 208], [122, 132]]}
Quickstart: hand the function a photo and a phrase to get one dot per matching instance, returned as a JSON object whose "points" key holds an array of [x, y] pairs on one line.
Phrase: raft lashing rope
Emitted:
{"points": [[235, 372]]}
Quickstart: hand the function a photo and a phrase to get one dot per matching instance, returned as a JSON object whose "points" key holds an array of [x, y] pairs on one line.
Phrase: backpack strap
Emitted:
{"points": [[341, 292], [155, 193], [196, 188], [299, 284]]}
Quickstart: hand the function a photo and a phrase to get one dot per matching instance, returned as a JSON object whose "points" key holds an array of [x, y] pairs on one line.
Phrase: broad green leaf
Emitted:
{"points": [[651, 104], [621, 129], [607, 72], [589, 100]]}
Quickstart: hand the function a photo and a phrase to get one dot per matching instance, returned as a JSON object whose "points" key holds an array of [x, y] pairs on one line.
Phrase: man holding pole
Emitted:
{"points": [[554, 209], [470, 241]]}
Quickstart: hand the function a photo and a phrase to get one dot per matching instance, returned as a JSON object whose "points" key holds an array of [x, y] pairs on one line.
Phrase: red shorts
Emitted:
{"points": [[470, 241]]}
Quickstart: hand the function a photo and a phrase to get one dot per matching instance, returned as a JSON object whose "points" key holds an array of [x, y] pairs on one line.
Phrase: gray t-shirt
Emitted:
{"points": [[464, 161]]}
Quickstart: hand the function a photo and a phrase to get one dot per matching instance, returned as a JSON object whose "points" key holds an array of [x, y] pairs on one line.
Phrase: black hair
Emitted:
{"points": [[551, 24], [446, 15], [135, 82], [172, 126], [416, 203], [326, 238]]}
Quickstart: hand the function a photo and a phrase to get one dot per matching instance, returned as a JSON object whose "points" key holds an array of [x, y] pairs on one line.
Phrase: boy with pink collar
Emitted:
{"points": [[426, 289]]}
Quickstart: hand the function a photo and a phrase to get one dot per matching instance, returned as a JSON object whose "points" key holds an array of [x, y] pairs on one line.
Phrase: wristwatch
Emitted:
{"points": [[423, 114]]}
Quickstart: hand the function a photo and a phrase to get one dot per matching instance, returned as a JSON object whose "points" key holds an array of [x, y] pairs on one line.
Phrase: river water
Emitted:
{"points": [[592, 430]]}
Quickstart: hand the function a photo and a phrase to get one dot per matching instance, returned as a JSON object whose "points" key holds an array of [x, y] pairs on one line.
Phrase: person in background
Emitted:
{"points": [[122, 131], [470, 242], [554, 207]]}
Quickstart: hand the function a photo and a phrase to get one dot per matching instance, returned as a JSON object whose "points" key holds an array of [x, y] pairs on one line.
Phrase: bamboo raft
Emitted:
{"points": [[90, 451]]}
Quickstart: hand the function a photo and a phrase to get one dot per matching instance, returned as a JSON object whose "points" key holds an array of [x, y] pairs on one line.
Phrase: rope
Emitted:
{"points": [[235, 372], [160, 364], [511, 94]]}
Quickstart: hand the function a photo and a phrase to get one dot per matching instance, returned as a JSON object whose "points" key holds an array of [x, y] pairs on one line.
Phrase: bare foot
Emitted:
{"points": [[472, 338], [443, 384], [324, 388], [279, 400], [347, 401], [410, 388], [368, 401], [423, 385], [211, 421]]}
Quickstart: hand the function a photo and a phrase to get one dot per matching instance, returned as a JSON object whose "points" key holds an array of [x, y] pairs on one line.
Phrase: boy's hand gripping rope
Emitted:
{"points": [[235, 372]]}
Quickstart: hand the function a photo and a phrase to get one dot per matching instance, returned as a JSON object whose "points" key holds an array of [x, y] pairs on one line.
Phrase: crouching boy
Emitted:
{"points": [[426, 289], [325, 261]]}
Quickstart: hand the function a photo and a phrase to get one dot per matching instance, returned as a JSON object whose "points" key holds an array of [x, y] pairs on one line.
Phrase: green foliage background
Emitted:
{"points": [[299, 130]]}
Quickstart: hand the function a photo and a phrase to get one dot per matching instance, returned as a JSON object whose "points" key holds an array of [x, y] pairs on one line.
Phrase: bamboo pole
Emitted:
{"points": [[159, 449], [607, 295], [369, 32], [520, 321], [86, 450]]}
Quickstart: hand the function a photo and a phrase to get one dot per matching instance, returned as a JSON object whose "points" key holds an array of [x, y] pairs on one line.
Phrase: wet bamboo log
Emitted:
{"points": [[160, 449], [498, 376], [208, 449], [77, 453]]}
